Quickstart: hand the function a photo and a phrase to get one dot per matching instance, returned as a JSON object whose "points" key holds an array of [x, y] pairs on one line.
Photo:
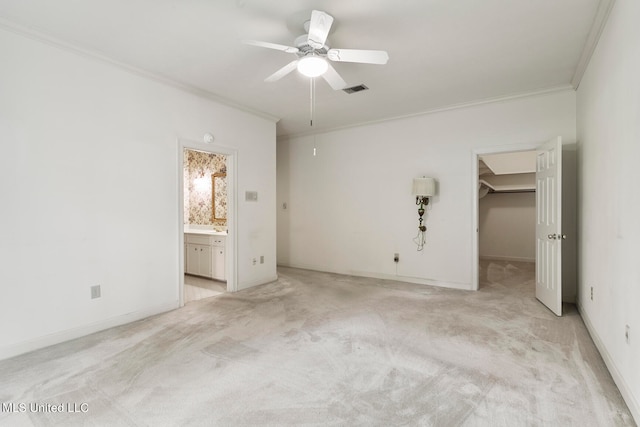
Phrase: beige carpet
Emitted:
{"points": [[324, 349]]}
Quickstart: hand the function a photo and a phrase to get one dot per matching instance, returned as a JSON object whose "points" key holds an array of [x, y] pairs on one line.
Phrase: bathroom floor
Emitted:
{"points": [[197, 288]]}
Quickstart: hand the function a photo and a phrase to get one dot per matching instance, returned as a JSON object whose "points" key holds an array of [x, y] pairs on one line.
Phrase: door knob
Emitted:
{"points": [[551, 236], [564, 236]]}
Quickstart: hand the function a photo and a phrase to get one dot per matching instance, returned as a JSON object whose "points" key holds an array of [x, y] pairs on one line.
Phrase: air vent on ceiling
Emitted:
{"points": [[354, 89]]}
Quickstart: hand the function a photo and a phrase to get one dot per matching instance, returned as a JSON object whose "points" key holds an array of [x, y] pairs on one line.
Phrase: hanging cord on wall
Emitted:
{"points": [[420, 240]]}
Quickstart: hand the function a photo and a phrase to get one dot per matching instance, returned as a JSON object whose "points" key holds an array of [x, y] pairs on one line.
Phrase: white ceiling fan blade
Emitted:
{"points": [[356, 55], [319, 28], [288, 49], [333, 78], [282, 71]]}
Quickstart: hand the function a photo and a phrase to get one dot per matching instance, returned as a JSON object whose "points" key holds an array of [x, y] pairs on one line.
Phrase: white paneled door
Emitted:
{"points": [[548, 225]]}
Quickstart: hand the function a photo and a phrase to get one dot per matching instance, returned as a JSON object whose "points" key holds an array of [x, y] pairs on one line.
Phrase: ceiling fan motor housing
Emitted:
{"points": [[301, 42]]}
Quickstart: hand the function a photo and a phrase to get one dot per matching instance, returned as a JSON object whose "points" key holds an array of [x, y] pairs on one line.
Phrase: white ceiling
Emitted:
{"points": [[443, 53]]}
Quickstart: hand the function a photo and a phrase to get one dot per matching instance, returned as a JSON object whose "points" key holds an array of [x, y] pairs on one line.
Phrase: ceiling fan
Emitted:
{"points": [[312, 52]]}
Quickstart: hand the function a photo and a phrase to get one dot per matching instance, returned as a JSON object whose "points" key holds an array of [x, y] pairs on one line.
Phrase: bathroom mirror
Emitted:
{"points": [[219, 196]]}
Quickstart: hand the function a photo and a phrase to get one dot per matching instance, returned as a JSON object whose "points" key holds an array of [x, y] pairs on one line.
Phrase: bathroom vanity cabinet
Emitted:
{"points": [[205, 255], [218, 256]]}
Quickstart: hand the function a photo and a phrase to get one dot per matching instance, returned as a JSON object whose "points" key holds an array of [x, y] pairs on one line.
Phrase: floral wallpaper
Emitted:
{"points": [[198, 168], [220, 189]]}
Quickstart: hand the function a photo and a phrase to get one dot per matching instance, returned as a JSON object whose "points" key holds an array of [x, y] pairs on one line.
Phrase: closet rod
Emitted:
{"points": [[511, 192]]}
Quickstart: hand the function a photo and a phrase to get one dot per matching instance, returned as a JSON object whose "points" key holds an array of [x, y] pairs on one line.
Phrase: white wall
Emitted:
{"points": [[350, 207], [89, 192], [508, 226], [608, 117]]}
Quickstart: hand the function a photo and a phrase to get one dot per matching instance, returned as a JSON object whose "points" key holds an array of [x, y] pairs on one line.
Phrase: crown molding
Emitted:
{"points": [[87, 53], [540, 92], [599, 22]]}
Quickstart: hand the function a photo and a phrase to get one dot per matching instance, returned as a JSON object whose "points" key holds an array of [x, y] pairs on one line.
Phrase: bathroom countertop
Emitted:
{"points": [[204, 231]]}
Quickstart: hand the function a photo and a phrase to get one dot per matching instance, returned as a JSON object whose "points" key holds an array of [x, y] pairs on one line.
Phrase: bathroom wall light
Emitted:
{"points": [[200, 184], [423, 188]]}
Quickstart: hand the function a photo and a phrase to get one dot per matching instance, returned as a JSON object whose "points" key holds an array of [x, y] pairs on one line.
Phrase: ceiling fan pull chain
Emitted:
{"points": [[312, 101], [312, 98]]}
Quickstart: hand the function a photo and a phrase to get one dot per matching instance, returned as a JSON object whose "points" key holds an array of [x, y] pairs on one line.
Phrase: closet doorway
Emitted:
{"points": [[555, 247], [507, 219], [507, 206]]}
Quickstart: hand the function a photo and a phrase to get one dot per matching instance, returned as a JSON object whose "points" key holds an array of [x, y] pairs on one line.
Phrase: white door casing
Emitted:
{"points": [[548, 225]]}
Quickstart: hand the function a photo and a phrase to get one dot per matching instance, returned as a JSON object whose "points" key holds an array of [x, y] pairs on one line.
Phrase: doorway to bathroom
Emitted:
{"points": [[207, 221]]}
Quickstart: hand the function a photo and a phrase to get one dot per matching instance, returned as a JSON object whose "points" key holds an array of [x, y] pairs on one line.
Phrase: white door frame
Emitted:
{"points": [[475, 208], [231, 253]]}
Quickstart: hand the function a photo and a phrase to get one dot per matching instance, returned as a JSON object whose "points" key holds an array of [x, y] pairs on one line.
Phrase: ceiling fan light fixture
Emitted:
{"points": [[312, 66]]}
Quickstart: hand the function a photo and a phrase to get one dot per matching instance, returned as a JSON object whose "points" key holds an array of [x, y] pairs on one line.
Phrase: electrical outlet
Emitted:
{"points": [[627, 330], [95, 292], [396, 257], [261, 259], [254, 261], [592, 293]]}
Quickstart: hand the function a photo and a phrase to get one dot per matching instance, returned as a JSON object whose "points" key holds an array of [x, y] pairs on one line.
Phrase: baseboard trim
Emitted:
{"points": [[251, 284], [382, 276], [631, 401], [38, 343]]}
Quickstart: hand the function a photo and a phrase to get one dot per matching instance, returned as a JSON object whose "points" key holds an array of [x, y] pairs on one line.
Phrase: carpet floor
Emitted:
{"points": [[325, 349]]}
